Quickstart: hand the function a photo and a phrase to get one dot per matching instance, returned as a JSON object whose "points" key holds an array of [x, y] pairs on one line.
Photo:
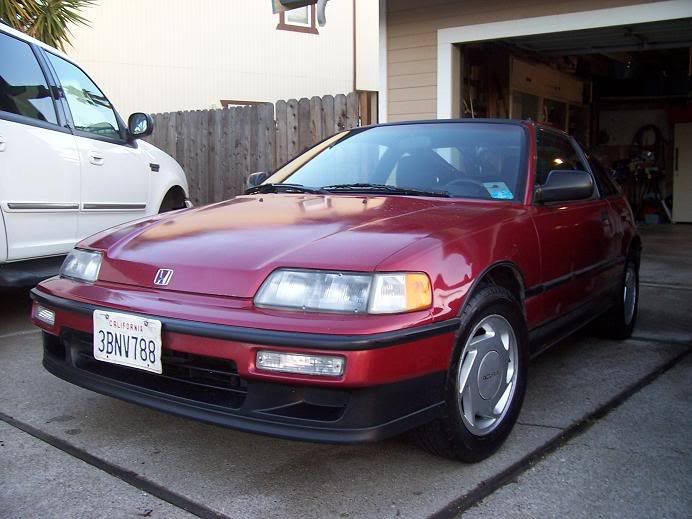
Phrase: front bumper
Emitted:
{"points": [[394, 381]]}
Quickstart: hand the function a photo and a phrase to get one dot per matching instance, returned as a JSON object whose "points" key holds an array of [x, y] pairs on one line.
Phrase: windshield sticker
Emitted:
{"points": [[498, 190]]}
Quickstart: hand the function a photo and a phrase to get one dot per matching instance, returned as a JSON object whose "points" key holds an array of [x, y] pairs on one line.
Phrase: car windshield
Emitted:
{"points": [[467, 160]]}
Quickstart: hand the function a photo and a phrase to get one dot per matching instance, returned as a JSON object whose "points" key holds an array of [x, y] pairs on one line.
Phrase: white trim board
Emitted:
{"points": [[448, 80], [382, 94]]}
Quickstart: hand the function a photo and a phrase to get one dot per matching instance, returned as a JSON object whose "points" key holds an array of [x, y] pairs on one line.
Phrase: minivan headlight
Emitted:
{"points": [[82, 265], [346, 292]]}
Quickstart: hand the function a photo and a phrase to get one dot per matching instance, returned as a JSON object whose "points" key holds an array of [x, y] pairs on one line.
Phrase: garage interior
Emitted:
{"points": [[625, 92]]}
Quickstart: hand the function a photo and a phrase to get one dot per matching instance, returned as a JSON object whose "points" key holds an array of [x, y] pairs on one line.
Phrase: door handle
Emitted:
{"points": [[95, 158], [3, 144], [605, 219]]}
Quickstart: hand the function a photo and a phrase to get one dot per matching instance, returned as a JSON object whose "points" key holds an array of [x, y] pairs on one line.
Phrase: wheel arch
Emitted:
{"points": [[176, 194], [504, 274]]}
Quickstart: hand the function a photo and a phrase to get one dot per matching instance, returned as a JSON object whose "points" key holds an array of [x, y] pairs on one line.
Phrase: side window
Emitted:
{"points": [[605, 185], [23, 87], [91, 111], [555, 151]]}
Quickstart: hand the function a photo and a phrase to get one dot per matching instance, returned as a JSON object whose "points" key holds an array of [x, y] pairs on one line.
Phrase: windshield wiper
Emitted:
{"points": [[384, 188], [284, 188]]}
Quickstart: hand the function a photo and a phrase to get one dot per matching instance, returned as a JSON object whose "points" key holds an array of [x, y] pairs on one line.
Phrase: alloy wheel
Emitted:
{"points": [[487, 375]]}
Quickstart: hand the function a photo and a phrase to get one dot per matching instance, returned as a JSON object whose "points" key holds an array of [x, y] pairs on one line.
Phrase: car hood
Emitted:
{"points": [[231, 247]]}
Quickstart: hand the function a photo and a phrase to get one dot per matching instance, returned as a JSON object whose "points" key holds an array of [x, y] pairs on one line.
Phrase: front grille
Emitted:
{"points": [[205, 379]]}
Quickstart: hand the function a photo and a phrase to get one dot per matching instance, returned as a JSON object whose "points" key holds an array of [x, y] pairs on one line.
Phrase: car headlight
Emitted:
{"points": [[325, 291], [82, 265]]}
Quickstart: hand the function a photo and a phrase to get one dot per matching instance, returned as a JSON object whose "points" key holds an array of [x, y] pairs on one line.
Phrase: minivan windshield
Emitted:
{"points": [[468, 160]]}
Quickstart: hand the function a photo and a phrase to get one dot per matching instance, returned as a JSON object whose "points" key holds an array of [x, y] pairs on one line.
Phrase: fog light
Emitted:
{"points": [[44, 315], [301, 364]]}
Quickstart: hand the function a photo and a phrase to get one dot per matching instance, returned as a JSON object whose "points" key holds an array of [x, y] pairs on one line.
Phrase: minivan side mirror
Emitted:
{"points": [[255, 179], [140, 125], [565, 185]]}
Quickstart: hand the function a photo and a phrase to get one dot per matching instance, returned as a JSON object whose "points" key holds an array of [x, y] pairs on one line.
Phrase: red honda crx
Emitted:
{"points": [[391, 278]]}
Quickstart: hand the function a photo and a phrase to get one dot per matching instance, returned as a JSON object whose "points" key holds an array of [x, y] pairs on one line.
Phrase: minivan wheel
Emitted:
{"points": [[486, 381]]}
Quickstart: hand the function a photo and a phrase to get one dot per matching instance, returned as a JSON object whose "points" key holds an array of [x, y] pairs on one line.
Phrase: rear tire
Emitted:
{"points": [[486, 380], [618, 323]]}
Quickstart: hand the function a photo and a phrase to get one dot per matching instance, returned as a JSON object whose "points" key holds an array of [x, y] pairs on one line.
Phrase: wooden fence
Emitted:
{"points": [[219, 148]]}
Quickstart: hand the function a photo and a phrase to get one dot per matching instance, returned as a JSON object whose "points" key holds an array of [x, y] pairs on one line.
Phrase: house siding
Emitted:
{"points": [[412, 28]]}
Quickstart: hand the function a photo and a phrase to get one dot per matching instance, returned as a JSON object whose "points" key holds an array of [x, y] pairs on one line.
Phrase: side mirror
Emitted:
{"points": [[140, 125], [255, 179], [564, 185]]}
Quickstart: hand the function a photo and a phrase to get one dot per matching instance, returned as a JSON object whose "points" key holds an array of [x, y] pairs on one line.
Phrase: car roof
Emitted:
{"points": [[468, 120], [21, 36]]}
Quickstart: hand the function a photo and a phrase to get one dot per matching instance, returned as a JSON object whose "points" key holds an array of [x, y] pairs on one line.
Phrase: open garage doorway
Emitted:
{"points": [[623, 90]]}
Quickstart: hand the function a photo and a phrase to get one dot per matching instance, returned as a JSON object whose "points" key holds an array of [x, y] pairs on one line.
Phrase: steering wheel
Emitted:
{"points": [[477, 188]]}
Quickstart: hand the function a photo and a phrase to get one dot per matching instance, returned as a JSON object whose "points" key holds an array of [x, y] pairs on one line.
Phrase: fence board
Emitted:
{"points": [[242, 148], [316, 133], [204, 155], [158, 137], [165, 139], [188, 163], [214, 184], [197, 156], [304, 139], [254, 145], [292, 128], [340, 111], [179, 139], [328, 120], [265, 138], [171, 146], [281, 133], [352, 109], [227, 171]]}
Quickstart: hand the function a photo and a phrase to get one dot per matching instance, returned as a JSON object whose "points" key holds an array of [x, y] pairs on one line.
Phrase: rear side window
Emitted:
{"points": [[555, 151], [91, 110], [23, 87], [606, 186]]}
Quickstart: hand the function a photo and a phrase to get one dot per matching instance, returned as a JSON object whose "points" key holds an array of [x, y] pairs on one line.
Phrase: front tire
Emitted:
{"points": [[486, 380]]}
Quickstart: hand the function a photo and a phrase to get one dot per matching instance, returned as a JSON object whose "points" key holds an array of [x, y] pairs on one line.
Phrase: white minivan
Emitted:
{"points": [[69, 165]]}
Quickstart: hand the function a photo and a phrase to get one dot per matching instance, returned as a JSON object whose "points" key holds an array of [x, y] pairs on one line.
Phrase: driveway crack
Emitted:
{"points": [[128, 476], [511, 473]]}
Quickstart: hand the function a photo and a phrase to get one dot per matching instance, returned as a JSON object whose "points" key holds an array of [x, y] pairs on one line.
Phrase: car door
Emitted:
{"points": [[115, 172], [620, 218], [39, 162], [574, 235]]}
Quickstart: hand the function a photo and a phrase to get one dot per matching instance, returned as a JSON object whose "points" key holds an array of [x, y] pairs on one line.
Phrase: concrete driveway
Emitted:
{"points": [[605, 430]]}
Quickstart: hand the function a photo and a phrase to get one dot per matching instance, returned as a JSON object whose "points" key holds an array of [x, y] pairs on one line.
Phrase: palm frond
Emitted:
{"points": [[18, 14], [45, 20]]}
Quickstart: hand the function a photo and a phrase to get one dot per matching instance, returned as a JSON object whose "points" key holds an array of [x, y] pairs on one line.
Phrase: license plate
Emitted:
{"points": [[127, 340]]}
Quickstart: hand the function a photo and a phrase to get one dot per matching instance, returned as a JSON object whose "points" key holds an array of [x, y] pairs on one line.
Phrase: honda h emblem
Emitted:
{"points": [[163, 277]]}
